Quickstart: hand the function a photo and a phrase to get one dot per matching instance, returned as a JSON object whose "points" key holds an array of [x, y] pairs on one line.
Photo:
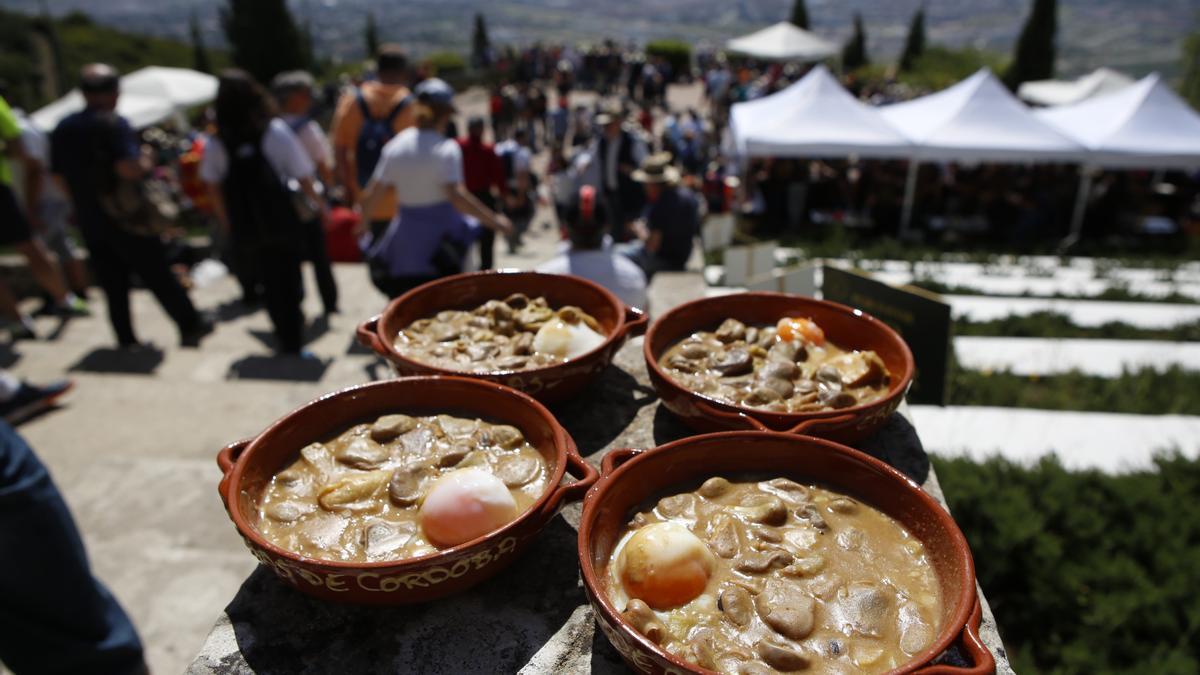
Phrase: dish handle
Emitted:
{"points": [[368, 335], [585, 476], [615, 458], [972, 645], [635, 322], [741, 419], [226, 459]]}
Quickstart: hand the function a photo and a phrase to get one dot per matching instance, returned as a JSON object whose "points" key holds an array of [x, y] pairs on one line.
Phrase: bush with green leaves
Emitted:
{"points": [[1086, 572], [1174, 391], [675, 52], [1055, 325]]}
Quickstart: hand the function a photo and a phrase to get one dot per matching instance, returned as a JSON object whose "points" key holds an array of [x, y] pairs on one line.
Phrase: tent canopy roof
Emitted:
{"points": [[148, 96], [1064, 92], [814, 117], [978, 120], [1144, 125], [783, 41]]}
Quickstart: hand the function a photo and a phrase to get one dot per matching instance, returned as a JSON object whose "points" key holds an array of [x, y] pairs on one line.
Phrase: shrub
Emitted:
{"points": [[1086, 572], [1054, 325], [675, 52], [1146, 391], [447, 64]]}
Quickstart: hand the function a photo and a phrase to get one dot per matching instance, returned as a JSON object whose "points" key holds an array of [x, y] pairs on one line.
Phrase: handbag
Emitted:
{"points": [[141, 207]]}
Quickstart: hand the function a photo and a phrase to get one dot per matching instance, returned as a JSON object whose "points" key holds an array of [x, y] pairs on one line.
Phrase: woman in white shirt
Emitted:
{"points": [[429, 235], [246, 166]]}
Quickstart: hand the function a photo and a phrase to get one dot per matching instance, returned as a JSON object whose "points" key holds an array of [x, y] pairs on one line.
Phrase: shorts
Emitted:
{"points": [[56, 216], [14, 226]]}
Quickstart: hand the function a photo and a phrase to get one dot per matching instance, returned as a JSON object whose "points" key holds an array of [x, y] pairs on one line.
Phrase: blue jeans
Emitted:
{"points": [[55, 617]]}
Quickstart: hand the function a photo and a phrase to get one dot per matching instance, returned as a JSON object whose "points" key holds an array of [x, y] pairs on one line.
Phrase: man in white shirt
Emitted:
{"points": [[47, 206], [516, 157], [591, 255], [293, 90]]}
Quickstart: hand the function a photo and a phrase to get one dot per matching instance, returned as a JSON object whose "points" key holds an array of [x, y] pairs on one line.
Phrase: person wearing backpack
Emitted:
{"points": [[431, 232], [365, 119], [247, 166], [293, 90]]}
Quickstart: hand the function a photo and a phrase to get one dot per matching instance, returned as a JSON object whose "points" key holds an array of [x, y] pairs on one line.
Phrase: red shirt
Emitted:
{"points": [[482, 169]]}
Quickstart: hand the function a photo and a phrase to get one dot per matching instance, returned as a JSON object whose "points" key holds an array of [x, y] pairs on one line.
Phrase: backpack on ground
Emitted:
{"points": [[375, 133]]}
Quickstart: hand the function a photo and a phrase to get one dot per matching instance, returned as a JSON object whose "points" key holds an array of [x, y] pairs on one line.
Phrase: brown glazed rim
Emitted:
{"points": [[231, 488], [898, 388], [621, 459], [628, 319]]}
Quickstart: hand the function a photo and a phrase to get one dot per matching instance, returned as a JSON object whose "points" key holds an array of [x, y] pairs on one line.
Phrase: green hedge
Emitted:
{"points": [[1115, 293], [675, 52], [1146, 391], [1054, 325], [1086, 573]]}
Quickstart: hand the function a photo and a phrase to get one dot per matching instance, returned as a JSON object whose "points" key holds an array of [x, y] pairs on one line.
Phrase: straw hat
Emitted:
{"points": [[657, 169]]}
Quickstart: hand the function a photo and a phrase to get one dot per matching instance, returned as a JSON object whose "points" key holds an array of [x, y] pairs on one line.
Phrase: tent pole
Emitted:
{"points": [[1082, 193], [910, 195]]}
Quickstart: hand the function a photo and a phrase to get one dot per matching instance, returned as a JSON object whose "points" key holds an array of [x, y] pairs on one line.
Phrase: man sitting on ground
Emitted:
{"points": [[670, 221]]}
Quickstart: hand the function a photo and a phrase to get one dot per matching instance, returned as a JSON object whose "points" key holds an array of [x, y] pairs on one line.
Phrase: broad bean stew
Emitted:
{"points": [[401, 487], [517, 333], [775, 576], [788, 367]]}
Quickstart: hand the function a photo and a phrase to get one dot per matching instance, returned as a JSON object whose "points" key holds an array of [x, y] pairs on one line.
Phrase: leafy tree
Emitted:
{"points": [[371, 36], [264, 37], [200, 60], [1190, 87], [481, 46], [799, 14], [854, 53], [914, 44], [1033, 58]]}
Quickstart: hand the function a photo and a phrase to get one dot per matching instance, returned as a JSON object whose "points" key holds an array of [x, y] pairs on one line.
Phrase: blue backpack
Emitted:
{"points": [[375, 133]]}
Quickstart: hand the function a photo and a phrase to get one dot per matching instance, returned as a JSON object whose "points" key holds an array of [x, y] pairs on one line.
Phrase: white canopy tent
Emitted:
{"points": [[1065, 92], [1142, 126], [783, 41], [148, 96], [811, 118], [978, 120]]}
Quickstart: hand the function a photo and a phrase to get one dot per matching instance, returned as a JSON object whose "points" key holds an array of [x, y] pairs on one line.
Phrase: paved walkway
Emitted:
{"points": [[1082, 440]]}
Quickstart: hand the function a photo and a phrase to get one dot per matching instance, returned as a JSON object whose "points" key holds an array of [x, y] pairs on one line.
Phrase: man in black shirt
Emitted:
{"points": [[670, 222], [90, 151]]}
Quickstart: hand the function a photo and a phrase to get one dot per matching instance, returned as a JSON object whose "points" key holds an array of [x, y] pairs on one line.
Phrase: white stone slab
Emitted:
{"points": [[1042, 356], [1112, 443], [1081, 312]]}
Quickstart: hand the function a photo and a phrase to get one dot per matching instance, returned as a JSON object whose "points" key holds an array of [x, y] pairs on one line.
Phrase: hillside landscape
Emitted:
{"points": [[1137, 36]]}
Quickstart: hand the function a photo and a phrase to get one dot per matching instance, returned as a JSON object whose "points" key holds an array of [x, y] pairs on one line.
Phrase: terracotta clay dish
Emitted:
{"points": [[468, 292], [795, 621], [250, 465], [850, 329]]}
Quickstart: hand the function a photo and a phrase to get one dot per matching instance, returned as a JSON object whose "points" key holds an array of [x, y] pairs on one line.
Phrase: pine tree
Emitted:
{"points": [[263, 37], [308, 49], [1034, 55], [200, 60], [854, 54], [371, 35], [914, 45], [799, 14], [481, 46], [1189, 88]]}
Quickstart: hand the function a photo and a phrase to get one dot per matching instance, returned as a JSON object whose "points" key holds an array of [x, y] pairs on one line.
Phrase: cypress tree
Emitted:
{"points": [[1034, 54], [854, 53], [799, 14], [914, 45], [481, 45], [1190, 86], [371, 35], [200, 60], [264, 38]]}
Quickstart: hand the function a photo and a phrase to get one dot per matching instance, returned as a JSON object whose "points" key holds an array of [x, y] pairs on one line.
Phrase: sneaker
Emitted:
{"points": [[75, 307], [193, 337], [31, 400], [21, 330]]}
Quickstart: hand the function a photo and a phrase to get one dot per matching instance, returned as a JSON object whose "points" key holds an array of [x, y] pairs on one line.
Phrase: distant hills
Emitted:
{"points": [[1136, 36]]}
